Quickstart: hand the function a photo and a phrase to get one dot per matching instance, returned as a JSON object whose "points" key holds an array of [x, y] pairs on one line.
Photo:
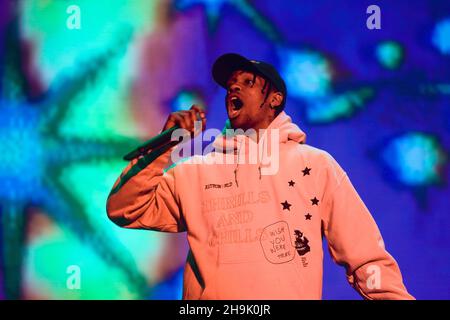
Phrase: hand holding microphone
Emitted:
{"points": [[184, 119]]}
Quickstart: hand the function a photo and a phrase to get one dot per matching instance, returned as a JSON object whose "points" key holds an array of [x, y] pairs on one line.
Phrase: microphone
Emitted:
{"points": [[162, 139], [156, 142]]}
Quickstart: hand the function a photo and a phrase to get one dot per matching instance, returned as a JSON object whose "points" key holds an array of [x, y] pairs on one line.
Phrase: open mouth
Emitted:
{"points": [[235, 105]]}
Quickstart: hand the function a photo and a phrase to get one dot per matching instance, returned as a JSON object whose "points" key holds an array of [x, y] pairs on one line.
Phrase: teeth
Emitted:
{"points": [[234, 98]]}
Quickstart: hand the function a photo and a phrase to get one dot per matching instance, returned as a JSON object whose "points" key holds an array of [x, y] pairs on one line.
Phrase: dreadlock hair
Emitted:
{"points": [[268, 85]]}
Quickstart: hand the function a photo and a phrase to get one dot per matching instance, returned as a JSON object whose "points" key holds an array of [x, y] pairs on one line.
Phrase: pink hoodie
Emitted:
{"points": [[256, 236]]}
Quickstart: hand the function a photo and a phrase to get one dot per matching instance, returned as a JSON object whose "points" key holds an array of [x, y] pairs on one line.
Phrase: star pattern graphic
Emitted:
{"points": [[32, 179], [291, 183], [286, 205], [308, 216], [306, 171], [315, 201]]}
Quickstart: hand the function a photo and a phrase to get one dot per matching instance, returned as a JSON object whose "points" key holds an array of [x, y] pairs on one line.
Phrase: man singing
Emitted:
{"points": [[255, 228]]}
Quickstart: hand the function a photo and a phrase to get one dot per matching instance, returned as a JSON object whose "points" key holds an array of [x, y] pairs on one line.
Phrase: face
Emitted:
{"points": [[244, 90]]}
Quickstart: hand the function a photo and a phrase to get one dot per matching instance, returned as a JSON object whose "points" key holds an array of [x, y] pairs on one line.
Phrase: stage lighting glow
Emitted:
{"points": [[332, 107], [60, 46], [441, 36], [435, 89], [307, 74], [415, 159], [171, 288], [90, 184], [213, 9], [185, 99], [36, 151], [43, 270], [21, 153], [389, 54], [30, 166]]}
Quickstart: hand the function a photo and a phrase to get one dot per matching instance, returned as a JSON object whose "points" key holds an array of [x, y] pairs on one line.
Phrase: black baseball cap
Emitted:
{"points": [[226, 64]]}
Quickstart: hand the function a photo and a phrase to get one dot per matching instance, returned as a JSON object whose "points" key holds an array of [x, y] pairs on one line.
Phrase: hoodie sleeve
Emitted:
{"points": [[355, 242], [143, 197]]}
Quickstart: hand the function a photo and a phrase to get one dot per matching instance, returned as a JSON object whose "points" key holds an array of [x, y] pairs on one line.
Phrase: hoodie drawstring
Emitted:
{"points": [[236, 169], [262, 155], [288, 131]]}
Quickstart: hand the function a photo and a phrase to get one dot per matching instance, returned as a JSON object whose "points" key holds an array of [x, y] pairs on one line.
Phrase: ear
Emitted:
{"points": [[276, 99]]}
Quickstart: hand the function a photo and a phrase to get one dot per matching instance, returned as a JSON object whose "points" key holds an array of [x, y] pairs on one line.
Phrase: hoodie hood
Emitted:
{"points": [[239, 143], [283, 123]]}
